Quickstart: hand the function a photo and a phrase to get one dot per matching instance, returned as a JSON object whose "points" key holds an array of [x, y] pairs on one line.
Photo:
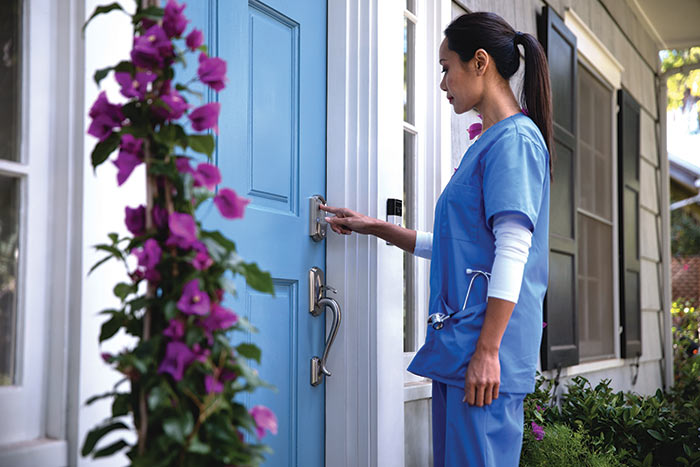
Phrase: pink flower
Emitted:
{"points": [[183, 165], [230, 205], [524, 110], [544, 324], [177, 358], [135, 220], [538, 431], [152, 48], [194, 39], [202, 261], [212, 384], [206, 117], [183, 230], [219, 318], [207, 175], [136, 85], [474, 130], [265, 419], [160, 216], [149, 257], [193, 300], [172, 106], [175, 330], [174, 22], [129, 157], [105, 117], [212, 71]]}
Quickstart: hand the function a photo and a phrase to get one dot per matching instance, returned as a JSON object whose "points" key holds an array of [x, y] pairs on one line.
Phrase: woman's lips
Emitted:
{"points": [[450, 99]]}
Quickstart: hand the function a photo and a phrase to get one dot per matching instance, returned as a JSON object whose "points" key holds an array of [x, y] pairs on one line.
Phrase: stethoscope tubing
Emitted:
{"points": [[437, 319]]}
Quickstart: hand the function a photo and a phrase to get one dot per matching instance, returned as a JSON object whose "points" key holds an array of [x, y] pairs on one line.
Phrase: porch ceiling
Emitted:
{"points": [[674, 24]]}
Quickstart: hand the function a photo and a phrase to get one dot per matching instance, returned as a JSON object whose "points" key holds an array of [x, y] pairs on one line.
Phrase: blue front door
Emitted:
{"points": [[272, 150]]}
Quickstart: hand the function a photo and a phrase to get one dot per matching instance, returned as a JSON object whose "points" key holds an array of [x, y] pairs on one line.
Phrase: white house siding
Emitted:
{"points": [[622, 33]]}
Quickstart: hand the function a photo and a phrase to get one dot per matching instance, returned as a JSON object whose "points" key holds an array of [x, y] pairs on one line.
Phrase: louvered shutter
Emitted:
{"points": [[628, 182], [560, 339]]}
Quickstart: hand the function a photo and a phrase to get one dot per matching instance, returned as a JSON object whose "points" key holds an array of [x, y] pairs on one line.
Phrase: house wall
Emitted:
{"points": [[623, 34]]}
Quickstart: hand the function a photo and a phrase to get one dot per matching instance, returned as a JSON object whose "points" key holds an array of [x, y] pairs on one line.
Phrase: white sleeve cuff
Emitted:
{"points": [[513, 240], [424, 244]]}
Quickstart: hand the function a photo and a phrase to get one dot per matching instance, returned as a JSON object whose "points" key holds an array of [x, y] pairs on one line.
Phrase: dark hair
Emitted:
{"points": [[488, 31]]}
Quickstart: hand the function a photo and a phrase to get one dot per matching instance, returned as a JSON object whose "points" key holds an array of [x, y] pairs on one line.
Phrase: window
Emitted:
{"points": [[11, 184], [595, 218], [410, 136]]}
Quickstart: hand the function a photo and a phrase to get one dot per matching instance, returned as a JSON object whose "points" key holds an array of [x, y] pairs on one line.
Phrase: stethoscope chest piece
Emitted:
{"points": [[437, 320]]}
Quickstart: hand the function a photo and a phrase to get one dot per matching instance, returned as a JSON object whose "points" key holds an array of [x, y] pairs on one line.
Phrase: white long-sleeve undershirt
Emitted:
{"points": [[513, 241]]}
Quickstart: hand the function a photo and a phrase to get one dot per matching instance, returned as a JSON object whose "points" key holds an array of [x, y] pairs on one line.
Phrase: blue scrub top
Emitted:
{"points": [[505, 170]]}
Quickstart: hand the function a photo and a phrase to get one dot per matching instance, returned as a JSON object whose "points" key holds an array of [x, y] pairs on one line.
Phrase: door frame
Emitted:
{"points": [[365, 395]]}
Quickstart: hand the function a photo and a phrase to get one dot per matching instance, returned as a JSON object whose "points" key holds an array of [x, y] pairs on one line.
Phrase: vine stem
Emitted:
{"points": [[151, 194]]}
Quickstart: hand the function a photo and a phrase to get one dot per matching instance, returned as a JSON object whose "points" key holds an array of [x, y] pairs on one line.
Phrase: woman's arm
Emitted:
{"points": [[346, 221]]}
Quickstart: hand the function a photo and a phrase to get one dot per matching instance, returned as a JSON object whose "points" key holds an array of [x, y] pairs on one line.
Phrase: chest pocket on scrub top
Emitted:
{"points": [[461, 212]]}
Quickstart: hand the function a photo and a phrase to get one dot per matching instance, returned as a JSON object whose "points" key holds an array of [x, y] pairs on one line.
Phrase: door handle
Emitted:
{"points": [[318, 304]]}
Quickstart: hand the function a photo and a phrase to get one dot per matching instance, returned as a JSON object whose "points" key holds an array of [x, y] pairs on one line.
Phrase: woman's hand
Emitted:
{"points": [[483, 379], [346, 221]]}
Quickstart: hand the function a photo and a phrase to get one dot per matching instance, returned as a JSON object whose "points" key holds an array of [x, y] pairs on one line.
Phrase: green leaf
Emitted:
{"points": [[98, 433], [178, 428], [94, 399], [104, 148], [656, 434], [220, 239], [120, 405], [116, 252], [110, 327], [170, 310], [153, 13], [101, 74], [183, 88], [111, 449], [122, 290], [198, 447], [99, 263], [158, 397], [257, 279], [203, 144], [249, 351], [100, 10]]}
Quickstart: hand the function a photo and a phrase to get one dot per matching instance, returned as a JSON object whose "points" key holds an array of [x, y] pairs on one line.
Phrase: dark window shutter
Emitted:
{"points": [[560, 338], [630, 265]]}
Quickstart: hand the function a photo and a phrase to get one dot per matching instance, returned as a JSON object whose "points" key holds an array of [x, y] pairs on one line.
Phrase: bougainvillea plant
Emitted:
{"points": [[182, 374]]}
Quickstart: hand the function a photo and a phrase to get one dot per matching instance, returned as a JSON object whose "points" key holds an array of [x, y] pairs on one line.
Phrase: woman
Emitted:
{"points": [[489, 248]]}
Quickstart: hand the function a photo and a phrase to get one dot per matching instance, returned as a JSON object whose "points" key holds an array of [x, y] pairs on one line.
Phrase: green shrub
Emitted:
{"points": [[565, 447]]}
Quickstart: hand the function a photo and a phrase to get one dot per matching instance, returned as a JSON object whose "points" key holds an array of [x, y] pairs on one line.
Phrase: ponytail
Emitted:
{"points": [[536, 92], [488, 31]]}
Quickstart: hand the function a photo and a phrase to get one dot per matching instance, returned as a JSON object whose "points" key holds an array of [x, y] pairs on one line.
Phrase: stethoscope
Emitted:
{"points": [[437, 320]]}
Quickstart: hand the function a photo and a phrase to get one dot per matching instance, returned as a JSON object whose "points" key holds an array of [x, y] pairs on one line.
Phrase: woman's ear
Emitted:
{"points": [[481, 61]]}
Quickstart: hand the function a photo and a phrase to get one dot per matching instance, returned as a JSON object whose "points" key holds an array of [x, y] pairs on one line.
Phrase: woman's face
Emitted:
{"points": [[461, 80]]}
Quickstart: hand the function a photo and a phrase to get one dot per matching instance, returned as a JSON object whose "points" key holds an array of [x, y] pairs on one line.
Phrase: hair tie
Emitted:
{"points": [[518, 35]]}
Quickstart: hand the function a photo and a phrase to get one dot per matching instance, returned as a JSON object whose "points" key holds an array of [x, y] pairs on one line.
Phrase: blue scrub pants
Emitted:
{"points": [[469, 436]]}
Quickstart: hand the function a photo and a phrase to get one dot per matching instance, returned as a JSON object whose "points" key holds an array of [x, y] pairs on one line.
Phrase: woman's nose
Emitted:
{"points": [[442, 84]]}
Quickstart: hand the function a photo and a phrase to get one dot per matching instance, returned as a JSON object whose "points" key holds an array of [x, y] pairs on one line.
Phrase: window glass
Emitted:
{"points": [[9, 252], [10, 69], [595, 228]]}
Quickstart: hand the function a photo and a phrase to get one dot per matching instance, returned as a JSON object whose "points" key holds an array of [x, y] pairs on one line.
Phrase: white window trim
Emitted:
{"points": [[55, 33]]}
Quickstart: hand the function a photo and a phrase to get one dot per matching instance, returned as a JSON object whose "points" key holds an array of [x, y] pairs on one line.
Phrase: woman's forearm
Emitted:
{"points": [[395, 234]]}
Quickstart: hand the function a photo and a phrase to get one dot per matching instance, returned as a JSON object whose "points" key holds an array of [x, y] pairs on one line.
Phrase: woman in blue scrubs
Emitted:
{"points": [[489, 247]]}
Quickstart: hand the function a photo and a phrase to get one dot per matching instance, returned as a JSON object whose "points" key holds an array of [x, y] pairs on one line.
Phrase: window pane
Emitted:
{"points": [[10, 69], [595, 145], [409, 47], [409, 289], [595, 297], [9, 221]]}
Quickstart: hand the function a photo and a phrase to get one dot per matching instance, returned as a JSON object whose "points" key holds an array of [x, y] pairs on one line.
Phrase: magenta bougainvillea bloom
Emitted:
{"points": [[175, 329], [160, 216], [230, 205], [193, 300], [212, 71], [177, 358], [538, 431], [474, 130], [172, 105], [212, 384], [135, 220], [206, 117], [174, 22], [134, 85], [207, 175], [105, 117], [194, 39], [202, 261], [129, 157], [265, 419], [183, 165], [183, 230], [524, 110], [148, 258], [219, 318], [152, 48]]}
